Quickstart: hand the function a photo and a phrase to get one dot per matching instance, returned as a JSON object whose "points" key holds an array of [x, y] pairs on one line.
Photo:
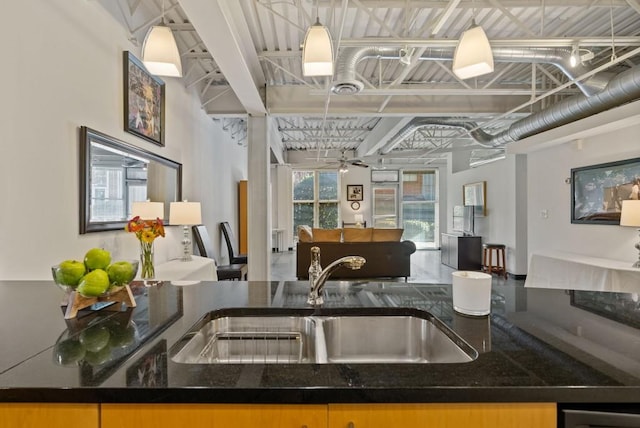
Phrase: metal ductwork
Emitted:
{"points": [[346, 82], [623, 88]]}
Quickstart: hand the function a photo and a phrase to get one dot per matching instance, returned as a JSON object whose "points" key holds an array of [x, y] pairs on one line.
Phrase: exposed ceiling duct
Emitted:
{"points": [[346, 82], [623, 88]]}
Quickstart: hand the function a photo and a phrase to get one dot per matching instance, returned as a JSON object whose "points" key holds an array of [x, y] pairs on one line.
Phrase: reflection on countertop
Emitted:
{"points": [[528, 349]]}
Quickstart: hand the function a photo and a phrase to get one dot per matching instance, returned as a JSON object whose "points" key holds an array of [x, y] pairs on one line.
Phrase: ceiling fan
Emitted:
{"points": [[343, 163]]}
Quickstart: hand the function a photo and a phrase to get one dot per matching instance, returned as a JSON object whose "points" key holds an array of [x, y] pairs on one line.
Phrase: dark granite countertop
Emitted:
{"points": [[534, 346]]}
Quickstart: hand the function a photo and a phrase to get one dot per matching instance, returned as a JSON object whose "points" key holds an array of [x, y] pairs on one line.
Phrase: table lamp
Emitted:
{"points": [[630, 216], [359, 218], [186, 214], [148, 210]]}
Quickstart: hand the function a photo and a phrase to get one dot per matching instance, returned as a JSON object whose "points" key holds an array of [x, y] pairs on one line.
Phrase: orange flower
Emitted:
{"points": [[145, 230]]}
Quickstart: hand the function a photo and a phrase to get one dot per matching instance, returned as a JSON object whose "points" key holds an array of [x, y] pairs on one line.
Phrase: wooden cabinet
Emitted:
{"points": [[456, 415], [461, 252], [446, 415], [49, 415], [243, 227], [213, 416]]}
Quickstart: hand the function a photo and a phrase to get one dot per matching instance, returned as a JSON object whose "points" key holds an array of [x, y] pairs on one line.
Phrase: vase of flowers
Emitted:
{"points": [[146, 231]]}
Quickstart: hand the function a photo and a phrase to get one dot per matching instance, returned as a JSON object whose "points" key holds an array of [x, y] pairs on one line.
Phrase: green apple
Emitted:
{"points": [[70, 272], [95, 338], [121, 273], [99, 357], [94, 283], [121, 336], [97, 258], [68, 351]]}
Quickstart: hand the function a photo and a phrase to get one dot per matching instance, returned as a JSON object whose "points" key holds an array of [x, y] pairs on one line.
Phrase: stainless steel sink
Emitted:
{"points": [[251, 339], [321, 336], [393, 339]]}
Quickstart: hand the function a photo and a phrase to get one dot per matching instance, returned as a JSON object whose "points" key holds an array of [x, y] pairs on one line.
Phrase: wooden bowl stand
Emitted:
{"points": [[76, 301]]}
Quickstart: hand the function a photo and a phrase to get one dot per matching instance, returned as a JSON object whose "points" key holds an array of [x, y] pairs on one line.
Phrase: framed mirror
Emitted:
{"points": [[114, 175]]}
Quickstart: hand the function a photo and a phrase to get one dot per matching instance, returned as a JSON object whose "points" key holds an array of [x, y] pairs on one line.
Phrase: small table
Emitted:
{"points": [[185, 273]]}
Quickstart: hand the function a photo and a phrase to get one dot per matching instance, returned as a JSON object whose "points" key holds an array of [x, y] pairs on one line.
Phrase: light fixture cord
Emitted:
{"points": [[613, 45]]}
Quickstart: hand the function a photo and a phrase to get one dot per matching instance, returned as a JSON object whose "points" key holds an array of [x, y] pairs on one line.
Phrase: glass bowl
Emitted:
{"points": [[67, 282]]}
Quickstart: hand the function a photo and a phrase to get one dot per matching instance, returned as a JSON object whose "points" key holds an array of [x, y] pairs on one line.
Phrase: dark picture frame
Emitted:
{"points": [[354, 192], [144, 101], [475, 195], [597, 191]]}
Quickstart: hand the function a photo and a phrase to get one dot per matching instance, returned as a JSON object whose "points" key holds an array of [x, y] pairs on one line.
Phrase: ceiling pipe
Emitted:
{"points": [[623, 88], [347, 83]]}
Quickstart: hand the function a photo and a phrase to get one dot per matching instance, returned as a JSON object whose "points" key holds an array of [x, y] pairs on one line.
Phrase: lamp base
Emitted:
{"points": [[186, 245]]}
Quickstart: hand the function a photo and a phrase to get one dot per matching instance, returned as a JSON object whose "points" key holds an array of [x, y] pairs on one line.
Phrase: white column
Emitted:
{"points": [[259, 199]]}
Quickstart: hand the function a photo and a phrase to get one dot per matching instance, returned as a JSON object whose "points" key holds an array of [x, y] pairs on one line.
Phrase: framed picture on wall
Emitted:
{"points": [[354, 192], [475, 195], [597, 191], [144, 98]]}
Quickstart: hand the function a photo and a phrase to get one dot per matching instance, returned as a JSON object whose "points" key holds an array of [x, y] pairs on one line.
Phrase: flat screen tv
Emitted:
{"points": [[463, 219]]}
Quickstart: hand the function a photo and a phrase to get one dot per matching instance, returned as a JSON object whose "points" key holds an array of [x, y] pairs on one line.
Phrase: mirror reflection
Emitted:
{"points": [[114, 175]]}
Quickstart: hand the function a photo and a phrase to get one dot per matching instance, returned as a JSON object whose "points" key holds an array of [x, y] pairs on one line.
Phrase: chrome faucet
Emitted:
{"points": [[317, 286]]}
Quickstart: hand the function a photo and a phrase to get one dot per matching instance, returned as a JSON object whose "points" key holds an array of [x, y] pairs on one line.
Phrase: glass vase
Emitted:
{"points": [[147, 268]]}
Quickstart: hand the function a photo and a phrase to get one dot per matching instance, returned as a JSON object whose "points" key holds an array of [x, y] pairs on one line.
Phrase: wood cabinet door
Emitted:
{"points": [[49, 415], [456, 415], [212, 416]]}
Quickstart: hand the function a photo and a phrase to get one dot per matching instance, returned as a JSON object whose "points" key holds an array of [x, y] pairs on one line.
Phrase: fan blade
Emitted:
{"points": [[358, 162]]}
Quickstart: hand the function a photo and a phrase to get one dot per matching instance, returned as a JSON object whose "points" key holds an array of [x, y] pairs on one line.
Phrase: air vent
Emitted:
{"points": [[347, 87]]}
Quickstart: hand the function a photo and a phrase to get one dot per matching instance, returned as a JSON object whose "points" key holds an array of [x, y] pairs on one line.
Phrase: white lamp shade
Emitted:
{"points": [[630, 215], [160, 53], [148, 210], [185, 213], [473, 56], [359, 218], [317, 52]]}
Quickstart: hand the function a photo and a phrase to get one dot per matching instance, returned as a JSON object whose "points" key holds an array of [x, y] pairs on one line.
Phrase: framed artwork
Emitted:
{"points": [[144, 98], [598, 190], [354, 192], [475, 195]]}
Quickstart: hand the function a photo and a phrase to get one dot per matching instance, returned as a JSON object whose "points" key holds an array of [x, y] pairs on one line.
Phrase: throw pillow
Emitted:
{"points": [[354, 234], [327, 235], [305, 234], [387, 235]]}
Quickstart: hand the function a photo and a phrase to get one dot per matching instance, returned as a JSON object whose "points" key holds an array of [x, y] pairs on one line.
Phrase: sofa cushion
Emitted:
{"points": [[386, 235], [305, 234], [327, 235], [354, 234]]}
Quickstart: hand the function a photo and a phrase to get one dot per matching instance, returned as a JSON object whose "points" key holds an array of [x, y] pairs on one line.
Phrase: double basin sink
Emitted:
{"points": [[321, 336]]}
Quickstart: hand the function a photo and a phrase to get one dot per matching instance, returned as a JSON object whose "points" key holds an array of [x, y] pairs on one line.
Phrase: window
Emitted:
{"points": [[419, 207], [315, 199]]}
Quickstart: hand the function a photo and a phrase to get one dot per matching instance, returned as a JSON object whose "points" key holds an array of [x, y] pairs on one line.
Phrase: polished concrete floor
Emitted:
{"points": [[425, 268]]}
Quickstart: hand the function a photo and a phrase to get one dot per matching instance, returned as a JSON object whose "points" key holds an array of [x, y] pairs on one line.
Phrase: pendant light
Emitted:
{"points": [[473, 56], [160, 53], [317, 51]]}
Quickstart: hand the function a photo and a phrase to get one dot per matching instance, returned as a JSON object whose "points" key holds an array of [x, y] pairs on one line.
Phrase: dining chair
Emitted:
{"points": [[205, 248], [230, 239]]}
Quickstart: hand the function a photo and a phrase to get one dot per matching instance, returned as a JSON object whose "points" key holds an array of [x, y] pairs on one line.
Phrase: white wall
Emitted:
{"points": [[499, 224], [64, 71], [548, 191]]}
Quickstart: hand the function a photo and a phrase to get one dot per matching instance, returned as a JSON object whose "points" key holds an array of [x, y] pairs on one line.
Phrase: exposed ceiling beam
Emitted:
{"points": [[223, 37]]}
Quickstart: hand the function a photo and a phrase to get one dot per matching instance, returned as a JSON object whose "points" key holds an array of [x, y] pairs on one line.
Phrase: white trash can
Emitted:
{"points": [[471, 293]]}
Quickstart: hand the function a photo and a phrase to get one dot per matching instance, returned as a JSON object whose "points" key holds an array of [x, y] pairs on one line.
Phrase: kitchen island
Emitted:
{"points": [[524, 358]]}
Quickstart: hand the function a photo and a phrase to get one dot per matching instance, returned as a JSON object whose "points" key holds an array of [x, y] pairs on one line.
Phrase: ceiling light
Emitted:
{"points": [[343, 167], [574, 59], [473, 56], [317, 51], [160, 53], [405, 55]]}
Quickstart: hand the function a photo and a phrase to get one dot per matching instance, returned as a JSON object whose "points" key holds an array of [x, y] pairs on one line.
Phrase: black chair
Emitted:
{"points": [[234, 257], [205, 248]]}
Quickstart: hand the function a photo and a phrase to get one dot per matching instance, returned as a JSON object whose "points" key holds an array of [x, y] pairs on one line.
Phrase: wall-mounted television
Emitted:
{"points": [[463, 219]]}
